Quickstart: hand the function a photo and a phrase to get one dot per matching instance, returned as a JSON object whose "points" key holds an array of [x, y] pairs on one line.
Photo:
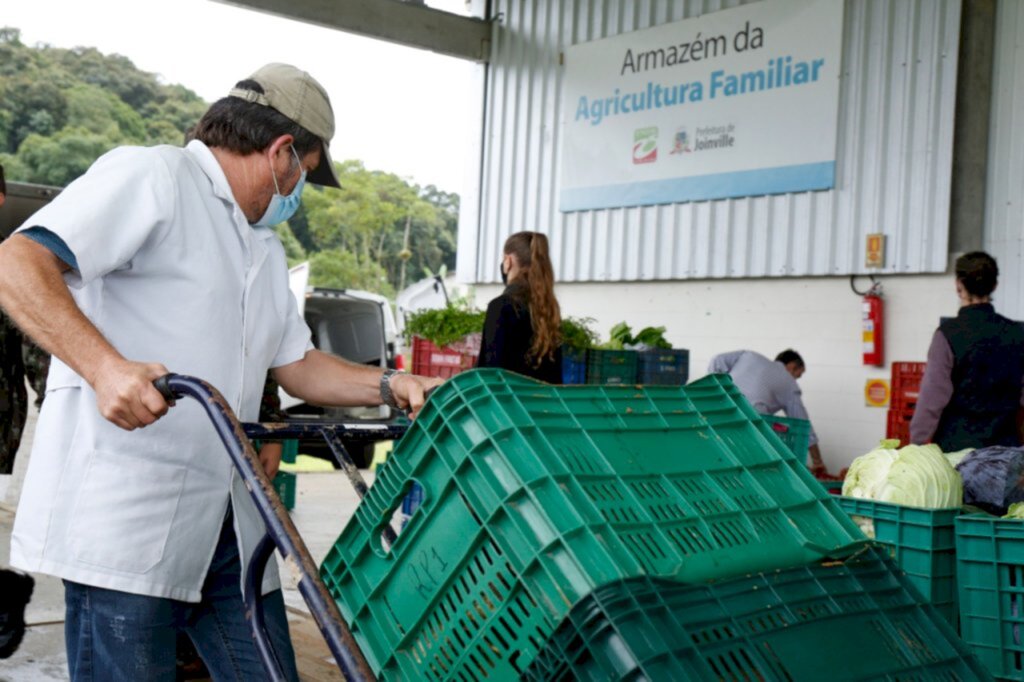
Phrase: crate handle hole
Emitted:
{"points": [[397, 519]]}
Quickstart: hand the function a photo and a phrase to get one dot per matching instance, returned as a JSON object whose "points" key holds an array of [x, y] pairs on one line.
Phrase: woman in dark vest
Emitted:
{"points": [[971, 389], [522, 331]]}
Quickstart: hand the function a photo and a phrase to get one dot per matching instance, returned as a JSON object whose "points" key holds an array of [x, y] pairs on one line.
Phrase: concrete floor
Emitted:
{"points": [[324, 503]]}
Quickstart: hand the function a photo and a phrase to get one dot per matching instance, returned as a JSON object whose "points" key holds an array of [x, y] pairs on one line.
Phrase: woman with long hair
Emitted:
{"points": [[522, 331]]}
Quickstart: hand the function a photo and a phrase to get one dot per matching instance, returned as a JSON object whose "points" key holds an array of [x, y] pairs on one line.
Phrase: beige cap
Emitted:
{"points": [[297, 95]]}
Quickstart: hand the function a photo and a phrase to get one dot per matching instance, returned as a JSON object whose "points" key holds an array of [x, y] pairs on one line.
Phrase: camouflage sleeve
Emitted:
{"points": [[37, 367], [270, 405], [13, 396]]}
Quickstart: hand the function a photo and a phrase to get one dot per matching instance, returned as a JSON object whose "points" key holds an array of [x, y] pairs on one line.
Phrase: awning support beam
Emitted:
{"points": [[406, 23]]}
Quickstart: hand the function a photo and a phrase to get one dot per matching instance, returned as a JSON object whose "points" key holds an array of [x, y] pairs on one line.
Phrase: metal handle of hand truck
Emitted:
{"points": [[280, 532]]}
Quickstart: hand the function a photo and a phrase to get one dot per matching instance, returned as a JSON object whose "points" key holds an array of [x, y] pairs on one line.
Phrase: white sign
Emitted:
{"points": [[741, 102]]}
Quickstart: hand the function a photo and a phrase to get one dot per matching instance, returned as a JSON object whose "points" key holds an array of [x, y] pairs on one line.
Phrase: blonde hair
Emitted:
{"points": [[530, 250]]}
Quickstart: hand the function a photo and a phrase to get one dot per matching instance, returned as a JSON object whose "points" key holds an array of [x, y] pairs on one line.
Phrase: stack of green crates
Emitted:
{"points": [[285, 482], [535, 495], [611, 367], [663, 366], [990, 577], [859, 619], [923, 543], [795, 433]]}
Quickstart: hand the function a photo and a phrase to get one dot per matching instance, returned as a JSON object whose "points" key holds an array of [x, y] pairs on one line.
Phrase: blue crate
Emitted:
{"points": [[574, 365]]}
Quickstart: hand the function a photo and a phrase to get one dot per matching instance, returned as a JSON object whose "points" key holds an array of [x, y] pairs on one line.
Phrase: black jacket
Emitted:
{"points": [[988, 364], [508, 335]]}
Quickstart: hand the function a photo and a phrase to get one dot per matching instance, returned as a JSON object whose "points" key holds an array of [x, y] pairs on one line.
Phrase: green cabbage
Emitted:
{"points": [[954, 458], [868, 472], [1016, 511], [913, 476]]}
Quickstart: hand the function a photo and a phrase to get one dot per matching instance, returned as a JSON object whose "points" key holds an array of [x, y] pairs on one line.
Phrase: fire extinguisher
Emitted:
{"points": [[872, 325]]}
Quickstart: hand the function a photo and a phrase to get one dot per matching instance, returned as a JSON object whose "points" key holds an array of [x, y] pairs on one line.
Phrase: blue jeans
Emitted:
{"points": [[114, 636]]}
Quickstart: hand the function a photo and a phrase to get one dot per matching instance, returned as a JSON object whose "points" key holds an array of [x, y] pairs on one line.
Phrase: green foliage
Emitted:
{"points": [[368, 216], [293, 250], [652, 337], [101, 112], [59, 159], [13, 167], [60, 109], [578, 333], [444, 325], [339, 269], [621, 337]]}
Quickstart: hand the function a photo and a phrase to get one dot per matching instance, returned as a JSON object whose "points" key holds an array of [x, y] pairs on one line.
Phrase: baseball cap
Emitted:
{"points": [[297, 95]]}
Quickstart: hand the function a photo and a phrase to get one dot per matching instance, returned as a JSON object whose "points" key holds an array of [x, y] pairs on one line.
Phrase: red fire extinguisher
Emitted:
{"points": [[872, 326]]}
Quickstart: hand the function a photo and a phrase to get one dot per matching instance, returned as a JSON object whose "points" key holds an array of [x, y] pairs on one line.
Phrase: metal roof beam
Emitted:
{"points": [[400, 22]]}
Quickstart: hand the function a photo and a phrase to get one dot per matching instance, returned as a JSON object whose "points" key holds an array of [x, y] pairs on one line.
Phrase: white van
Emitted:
{"points": [[23, 199], [358, 326]]}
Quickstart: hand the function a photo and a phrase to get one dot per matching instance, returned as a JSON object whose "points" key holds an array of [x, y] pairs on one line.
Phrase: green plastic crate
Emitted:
{"points": [[859, 620], [611, 367], [795, 433], [533, 495], [990, 571], [833, 487], [285, 484], [663, 367], [289, 451], [923, 543]]}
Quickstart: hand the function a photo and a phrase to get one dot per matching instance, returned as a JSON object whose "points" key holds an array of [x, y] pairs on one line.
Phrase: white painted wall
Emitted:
{"points": [[818, 317]]}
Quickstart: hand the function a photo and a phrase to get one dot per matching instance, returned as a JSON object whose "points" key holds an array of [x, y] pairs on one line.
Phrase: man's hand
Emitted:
{"points": [[125, 394], [817, 463], [270, 458], [410, 391]]}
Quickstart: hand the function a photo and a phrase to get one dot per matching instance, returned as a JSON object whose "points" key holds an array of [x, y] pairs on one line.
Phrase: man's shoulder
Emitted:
{"points": [[756, 359], [153, 164], [780, 374], [176, 158]]}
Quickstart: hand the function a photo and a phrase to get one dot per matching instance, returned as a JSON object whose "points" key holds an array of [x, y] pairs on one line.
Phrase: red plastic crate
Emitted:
{"points": [[907, 369], [430, 361], [905, 385], [905, 395], [898, 425]]}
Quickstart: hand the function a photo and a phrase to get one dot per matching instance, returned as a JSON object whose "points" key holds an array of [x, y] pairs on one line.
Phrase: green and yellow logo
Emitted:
{"points": [[645, 145]]}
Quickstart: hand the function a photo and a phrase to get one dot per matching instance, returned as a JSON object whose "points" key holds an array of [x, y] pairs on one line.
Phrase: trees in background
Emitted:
{"points": [[60, 109]]}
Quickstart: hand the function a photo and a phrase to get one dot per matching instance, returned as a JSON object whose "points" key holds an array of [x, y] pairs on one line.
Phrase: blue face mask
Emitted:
{"points": [[281, 208]]}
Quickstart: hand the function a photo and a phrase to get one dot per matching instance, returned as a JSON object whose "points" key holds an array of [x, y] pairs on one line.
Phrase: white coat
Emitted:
{"points": [[170, 271]]}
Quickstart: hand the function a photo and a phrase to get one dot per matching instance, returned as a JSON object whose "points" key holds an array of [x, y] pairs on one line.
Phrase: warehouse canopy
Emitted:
{"points": [[407, 23]]}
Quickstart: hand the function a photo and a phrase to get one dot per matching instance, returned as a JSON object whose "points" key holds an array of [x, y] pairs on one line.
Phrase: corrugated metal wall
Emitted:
{"points": [[1004, 201], [893, 158]]}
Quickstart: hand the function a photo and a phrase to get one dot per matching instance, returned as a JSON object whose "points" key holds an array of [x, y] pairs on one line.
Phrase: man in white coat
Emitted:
{"points": [[163, 258]]}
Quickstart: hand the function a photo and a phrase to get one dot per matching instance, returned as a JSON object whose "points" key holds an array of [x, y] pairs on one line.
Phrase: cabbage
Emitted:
{"points": [[868, 473], [954, 458], [1016, 511], [992, 478], [914, 476]]}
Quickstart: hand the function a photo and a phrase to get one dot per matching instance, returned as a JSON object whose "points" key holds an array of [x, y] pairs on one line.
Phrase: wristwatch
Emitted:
{"points": [[386, 396]]}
